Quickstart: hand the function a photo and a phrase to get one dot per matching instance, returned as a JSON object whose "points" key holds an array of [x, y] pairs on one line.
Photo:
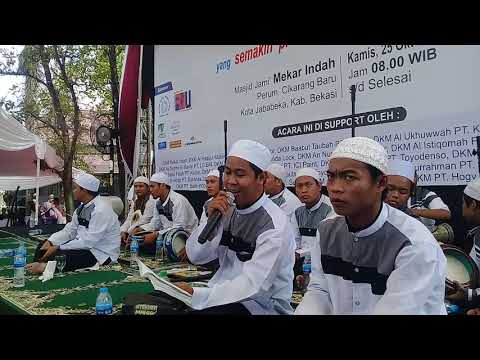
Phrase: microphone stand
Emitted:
{"points": [[353, 90], [215, 217], [221, 168], [477, 152]]}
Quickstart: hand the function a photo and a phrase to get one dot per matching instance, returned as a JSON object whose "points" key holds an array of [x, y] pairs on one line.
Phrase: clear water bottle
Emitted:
{"points": [[104, 304], [4, 253], [133, 253], [19, 261], [159, 248], [35, 232], [22, 250], [307, 269]]}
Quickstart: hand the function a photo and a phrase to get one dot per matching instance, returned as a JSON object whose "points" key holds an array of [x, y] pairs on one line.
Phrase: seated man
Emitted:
{"points": [[48, 212], [172, 210], [471, 213], [316, 208], [213, 188], [372, 258], [428, 206], [141, 210], [275, 188], [253, 242], [61, 219], [401, 190], [92, 236]]}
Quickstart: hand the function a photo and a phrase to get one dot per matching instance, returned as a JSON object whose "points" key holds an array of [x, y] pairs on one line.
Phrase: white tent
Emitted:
{"points": [[20, 155]]}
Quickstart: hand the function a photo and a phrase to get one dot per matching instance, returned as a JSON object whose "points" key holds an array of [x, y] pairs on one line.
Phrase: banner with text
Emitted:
{"points": [[418, 101]]}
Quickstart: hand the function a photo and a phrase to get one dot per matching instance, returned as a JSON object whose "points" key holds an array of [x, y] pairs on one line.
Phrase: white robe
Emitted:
{"points": [[102, 237]]}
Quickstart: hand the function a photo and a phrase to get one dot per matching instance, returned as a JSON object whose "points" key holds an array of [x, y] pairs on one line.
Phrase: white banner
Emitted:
{"points": [[420, 102]]}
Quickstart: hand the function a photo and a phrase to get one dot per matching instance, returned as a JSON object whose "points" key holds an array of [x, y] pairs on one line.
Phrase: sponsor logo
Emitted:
{"points": [[163, 106], [183, 100], [175, 128], [163, 102], [175, 144], [192, 141], [161, 130], [163, 88], [162, 145]]}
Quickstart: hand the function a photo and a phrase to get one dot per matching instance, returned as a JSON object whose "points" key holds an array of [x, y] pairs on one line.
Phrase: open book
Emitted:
{"points": [[164, 285]]}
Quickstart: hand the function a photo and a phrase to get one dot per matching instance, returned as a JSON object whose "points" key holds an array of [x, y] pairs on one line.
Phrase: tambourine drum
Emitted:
{"points": [[174, 242], [460, 268], [115, 202], [443, 233]]}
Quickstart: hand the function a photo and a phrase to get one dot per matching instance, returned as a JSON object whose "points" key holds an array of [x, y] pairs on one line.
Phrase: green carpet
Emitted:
{"points": [[72, 280], [86, 298]]}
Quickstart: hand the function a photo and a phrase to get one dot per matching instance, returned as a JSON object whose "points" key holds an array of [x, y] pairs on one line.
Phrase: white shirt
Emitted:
{"points": [[256, 270], [395, 266], [436, 203], [102, 237], [178, 214], [475, 252], [290, 203], [204, 216], [146, 217]]}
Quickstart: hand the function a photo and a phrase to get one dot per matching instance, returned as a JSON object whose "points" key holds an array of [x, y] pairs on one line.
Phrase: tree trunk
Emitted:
{"points": [[114, 84], [68, 189]]}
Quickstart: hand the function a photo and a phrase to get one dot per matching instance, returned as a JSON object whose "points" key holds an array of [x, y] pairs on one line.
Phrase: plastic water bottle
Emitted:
{"points": [[35, 232], [19, 261], [159, 248], [307, 269], [22, 250], [104, 304], [133, 253], [7, 253]]}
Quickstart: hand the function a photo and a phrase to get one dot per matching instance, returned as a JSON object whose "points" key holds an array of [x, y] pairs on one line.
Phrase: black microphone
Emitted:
{"points": [[212, 221]]}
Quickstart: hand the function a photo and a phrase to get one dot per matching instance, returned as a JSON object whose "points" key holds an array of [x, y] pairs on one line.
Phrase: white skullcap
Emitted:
{"points": [[160, 178], [402, 168], [88, 182], [278, 171], [253, 152], [362, 149], [473, 189], [214, 172], [308, 172], [51, 196], [141, 179]]}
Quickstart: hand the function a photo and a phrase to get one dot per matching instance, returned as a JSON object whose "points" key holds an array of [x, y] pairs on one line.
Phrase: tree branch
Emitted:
{"points": [[17, 73]]}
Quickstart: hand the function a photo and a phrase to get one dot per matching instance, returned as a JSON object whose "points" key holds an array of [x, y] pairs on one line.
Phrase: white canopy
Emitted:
{"points": [[19, 152], [20, 155]]}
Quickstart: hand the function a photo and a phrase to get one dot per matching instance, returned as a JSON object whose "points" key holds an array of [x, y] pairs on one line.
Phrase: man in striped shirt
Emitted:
{"points": [[372, 258]]}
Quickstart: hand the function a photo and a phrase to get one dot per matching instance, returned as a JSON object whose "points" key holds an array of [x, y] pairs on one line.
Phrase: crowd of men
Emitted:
{"points": [[370, 241]]}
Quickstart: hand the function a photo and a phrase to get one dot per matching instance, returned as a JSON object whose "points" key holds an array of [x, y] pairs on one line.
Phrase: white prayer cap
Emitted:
{"points": [[141, 179], [253, 152], [214, 172], [473, 189], [308, 172], [88, 182], [402, 168], [278, 171], [51, 196], [160, 178], [362, 149]]}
